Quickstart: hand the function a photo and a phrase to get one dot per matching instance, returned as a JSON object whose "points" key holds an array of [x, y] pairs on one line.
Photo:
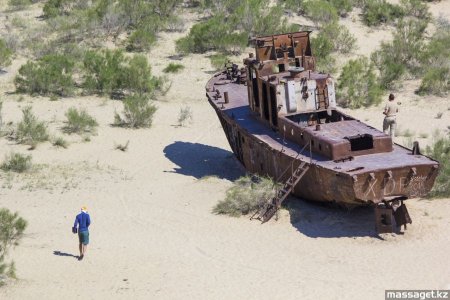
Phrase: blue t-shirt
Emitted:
{"points": [[83, 220]]}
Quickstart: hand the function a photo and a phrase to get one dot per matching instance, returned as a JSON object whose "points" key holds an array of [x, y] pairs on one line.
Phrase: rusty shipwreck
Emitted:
{"points": [[281, 120]]}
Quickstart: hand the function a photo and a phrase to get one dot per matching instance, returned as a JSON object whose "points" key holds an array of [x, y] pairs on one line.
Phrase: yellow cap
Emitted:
{"points": [[84, 208]]}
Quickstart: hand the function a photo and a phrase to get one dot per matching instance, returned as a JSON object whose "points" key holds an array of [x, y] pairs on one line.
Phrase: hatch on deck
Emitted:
{"points": [[360, 142]]}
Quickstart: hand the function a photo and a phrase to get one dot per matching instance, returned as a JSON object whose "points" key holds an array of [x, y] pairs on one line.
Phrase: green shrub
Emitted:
{"points": [[16, 162], [440, 151], [204, 36], [244, 19], [247, 195], [218, 61], [358, 86], [103, 71], [173, 68], [30, 130], [343, 7], [12, 228], [51, 75], [5, 54], [340, 37], [321, 12], [435, 60], [79, 122], [298, 6], [141, 40], [110, 72], [376, 12], [402, 55], [137, 112], [138, 77], [436, 81], [53, 8], [416, 8]]}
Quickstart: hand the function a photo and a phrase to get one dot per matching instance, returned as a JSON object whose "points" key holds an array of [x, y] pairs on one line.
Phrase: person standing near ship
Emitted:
{"points": [[390, 112]]}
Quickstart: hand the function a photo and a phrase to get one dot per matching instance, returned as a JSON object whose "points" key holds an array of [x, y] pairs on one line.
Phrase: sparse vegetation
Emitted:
{"points": [[19, 4], [138, 112], [79, 20], [440, 150], [16, 162], [402, 55], [321, 12], [141, 40], [5, 54], [244, 19], [50, 75], [30, 130], [79, 121], [331, 38], [185, 116], [110, 72], [358, 86], [376, 12], [247, 195], [60, 142], [435, 60], [12, 228], [173, 68]]}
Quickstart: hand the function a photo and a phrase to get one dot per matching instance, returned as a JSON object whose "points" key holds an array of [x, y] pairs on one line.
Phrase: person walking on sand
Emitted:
{"points": [[82, 221], [390, 112]]}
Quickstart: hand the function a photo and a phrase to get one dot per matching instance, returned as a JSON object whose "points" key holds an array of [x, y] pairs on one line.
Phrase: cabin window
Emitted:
{"points": [[360, 142], [281, 68], [297, 62]]}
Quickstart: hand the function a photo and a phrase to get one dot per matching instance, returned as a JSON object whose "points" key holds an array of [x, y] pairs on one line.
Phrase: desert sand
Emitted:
{"points": [[153, 235]]}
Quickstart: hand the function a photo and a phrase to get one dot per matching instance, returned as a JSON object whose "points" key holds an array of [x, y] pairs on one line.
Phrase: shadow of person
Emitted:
{"points": [[318, 220], [59, 253], [198, 160]]}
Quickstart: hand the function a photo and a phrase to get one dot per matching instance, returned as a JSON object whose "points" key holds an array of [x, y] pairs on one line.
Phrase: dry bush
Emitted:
{"points": [[30, 130], [185, 116], [12, 228], [138, 112], [440, 151], [16, 162], [79, 121], [248, 194]]}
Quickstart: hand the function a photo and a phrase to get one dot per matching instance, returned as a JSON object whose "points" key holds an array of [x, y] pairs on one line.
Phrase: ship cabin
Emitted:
{"points": [[287, 93]]}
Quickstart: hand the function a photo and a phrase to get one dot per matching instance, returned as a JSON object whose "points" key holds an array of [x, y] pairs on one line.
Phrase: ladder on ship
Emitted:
{"points": [[270, 208]]}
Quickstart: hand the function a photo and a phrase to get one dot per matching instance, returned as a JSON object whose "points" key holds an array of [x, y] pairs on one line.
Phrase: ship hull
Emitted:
{"points": [[323, 184]]}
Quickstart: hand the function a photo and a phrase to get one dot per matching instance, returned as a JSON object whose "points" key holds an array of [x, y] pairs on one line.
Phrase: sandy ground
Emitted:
{"points": [[153, 235]]}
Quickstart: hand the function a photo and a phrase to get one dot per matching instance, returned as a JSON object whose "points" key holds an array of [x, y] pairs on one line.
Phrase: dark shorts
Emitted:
{"points": [[83, 237]]}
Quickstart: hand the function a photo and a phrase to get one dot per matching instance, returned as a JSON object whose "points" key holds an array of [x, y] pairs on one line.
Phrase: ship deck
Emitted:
{"points": [[238, 110]]}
